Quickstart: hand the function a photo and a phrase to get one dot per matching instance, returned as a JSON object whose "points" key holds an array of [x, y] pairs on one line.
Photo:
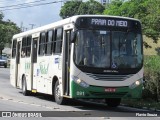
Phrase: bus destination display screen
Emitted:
{"points": [[107, 22]]}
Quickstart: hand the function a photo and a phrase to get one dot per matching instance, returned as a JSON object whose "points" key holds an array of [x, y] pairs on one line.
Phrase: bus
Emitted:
{"points": [[80, 57]]}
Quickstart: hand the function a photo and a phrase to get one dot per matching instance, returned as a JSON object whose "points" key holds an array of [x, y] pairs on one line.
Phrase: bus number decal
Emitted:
{"points": [[80, 93]]}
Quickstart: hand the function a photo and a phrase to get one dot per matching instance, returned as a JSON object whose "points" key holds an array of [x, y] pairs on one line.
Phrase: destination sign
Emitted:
{"points": [[109, 22]]}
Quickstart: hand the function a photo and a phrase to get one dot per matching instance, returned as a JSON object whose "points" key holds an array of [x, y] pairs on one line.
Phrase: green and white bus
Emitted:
{"points": [[81, 57]]}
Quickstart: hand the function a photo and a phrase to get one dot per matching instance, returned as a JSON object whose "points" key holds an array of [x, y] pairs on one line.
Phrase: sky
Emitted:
{"points": [[38, 15]]}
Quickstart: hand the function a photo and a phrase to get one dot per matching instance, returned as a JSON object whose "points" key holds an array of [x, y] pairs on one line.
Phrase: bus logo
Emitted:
{"points": [[56, 60], [43, 67]]}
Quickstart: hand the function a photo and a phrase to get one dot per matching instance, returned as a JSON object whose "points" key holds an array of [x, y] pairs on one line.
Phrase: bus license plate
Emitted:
{"points": [[110, 89]]}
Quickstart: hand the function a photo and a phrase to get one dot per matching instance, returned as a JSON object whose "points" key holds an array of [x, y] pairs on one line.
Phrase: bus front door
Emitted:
{"points": [[66, 63], [18, 67], [34, 65]]}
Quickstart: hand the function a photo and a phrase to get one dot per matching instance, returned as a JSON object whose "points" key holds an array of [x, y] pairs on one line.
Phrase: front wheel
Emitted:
{"points": [[113, 102], [5, 66], [57, 94], [24, 87]]}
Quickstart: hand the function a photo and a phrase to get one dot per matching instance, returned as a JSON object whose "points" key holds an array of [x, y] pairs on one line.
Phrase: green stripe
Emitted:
{"points": [[99, 92]]}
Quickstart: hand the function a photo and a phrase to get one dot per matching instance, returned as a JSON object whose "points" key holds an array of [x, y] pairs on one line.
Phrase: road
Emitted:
{"points": [[11, 99]]}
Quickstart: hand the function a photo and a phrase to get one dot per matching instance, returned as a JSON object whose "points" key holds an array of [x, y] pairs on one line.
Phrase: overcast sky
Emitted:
{"points": [[39, 15]]}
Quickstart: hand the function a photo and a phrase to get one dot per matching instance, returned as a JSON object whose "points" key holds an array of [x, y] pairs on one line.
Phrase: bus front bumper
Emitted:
{"points": [[78, 91]]}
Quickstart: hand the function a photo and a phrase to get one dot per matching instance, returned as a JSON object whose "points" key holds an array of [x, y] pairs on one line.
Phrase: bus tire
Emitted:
{"points": [[5, 66], [24, 87], [113, 102], [57, 94]]}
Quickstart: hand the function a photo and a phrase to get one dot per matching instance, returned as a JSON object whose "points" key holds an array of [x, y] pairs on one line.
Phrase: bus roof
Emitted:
{"points": [[64, 22]]}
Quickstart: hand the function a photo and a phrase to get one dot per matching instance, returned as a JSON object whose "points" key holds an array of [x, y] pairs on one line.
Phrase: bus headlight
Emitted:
{"points": [[136, 83], [80, 82]]}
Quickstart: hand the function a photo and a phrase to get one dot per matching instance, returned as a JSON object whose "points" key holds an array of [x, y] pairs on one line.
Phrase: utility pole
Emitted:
{"points": [[21, 27], [32, 25]]}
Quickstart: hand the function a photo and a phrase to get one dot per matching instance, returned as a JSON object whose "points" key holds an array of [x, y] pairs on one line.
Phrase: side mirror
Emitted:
{"points": [[73, 36]]}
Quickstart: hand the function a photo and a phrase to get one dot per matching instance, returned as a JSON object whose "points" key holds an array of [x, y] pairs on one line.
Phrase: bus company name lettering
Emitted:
{"points": [[27, 67], [118, 23], [43, 68]]}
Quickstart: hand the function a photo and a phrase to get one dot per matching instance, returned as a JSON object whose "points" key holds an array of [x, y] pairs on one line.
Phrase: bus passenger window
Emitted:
{"points": [[42, 44], [28, 46], [14, 44], [58, 40], [24, 44], [49, 42]]}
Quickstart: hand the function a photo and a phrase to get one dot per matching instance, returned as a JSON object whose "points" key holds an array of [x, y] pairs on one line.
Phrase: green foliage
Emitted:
{"points": [[114, 8], [71, 8], [1, 16], [7, 30], [152, 77], [90, 7], [147, 11]]}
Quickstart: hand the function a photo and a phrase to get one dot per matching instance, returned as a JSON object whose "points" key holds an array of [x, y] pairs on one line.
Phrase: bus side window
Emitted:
{"points": [[28, 46], [24, 44], [42, 43], [49, 42], [14, 44], [58, 40]]}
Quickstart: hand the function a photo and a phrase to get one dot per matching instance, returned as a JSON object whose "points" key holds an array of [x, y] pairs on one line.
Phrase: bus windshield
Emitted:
{"points": [[108, 49]]}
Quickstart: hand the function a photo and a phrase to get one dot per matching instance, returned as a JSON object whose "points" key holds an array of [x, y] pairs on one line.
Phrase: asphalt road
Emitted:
{"points": [[12, 100]]}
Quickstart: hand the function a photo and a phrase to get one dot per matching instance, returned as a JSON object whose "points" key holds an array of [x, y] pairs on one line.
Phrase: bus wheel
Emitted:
{"points": [[5, 66], [24, 87], [113, 102], [57, 94]]}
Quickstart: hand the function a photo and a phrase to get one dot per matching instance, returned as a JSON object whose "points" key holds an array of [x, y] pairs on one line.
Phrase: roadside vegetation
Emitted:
{"points": [[7, 30], [151, 92]]}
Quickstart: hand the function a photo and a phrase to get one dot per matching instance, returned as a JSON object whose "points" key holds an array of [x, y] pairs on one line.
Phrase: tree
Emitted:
{"points": [[91, 7], [114, 8], [146, 11], [71, 8], [1, 16], [7, 30]]}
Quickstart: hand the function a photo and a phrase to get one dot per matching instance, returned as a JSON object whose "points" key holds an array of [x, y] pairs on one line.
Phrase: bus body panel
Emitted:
{"points": [[47, 68], [13, 72]]}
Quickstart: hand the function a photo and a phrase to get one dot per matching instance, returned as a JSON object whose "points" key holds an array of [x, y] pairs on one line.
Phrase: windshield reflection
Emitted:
{"points": [[108, 49]]}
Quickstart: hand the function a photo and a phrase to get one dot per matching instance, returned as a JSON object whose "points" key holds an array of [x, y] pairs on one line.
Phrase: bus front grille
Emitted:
{"points": [[104, 77]]}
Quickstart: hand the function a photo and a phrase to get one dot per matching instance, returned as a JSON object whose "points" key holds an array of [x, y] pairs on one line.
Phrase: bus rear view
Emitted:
{"points": [[107, 59]]}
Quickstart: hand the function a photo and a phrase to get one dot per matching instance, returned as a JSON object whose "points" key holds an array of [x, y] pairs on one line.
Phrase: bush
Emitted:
{"points": [[152, 77]]}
